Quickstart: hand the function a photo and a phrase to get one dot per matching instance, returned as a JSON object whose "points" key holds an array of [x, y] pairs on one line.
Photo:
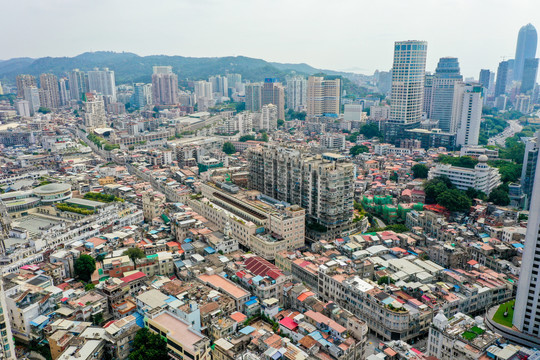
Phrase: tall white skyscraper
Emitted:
{"points": [[442, 94], [65, 95], [219, 85], [467, 112], [49, 87], [407, 97], [31, 94], [94, 111], [527, 306], [78, 84], [204, 89], [408, 75], [323, 96], [102, 81], [164, 86], [296, 92]]}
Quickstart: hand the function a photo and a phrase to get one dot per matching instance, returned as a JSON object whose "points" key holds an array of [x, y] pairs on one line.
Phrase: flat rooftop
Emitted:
{"points": [[225, 285], [36, 225], [178, 331]]}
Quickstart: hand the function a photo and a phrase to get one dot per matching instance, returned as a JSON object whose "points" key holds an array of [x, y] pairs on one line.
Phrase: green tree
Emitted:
{"points": [[84, 266], [228, 148], [264, 137], [472, 193], [245, 138], [148, 345], [385, 280], [358, 149], [398, 228], [370, 131], [89, 286], [454, 200], [420, 171], [134, 254], [97, 319], [44, 110], [499, 196], [280, 122], [435, 187]]}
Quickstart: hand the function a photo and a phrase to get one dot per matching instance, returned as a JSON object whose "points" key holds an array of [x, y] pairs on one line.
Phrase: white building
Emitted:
{"points": [[31, 94], [483, 177], [467, 113], [203, 89], [268, 118], [102, 81], [23, 108], [353, 112], [94, 111], [523, 104], [296, 93], [333, 141], [379, 113]]}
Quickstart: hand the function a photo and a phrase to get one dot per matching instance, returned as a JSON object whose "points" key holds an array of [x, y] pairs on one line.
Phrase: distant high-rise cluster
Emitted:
{"points": [[164, 86], [272, 92]]}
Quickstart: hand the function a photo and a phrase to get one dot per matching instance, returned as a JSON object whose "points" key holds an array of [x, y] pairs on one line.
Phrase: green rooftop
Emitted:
{"points": [[499, 317], [469, 335]]}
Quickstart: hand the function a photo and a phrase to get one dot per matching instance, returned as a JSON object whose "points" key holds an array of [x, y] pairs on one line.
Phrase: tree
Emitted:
{"points": [[435, 187], [44, 110], [134, 254], [245, 138], [454, 200], [398, 228], [228, 148], [84, 266], [370, 131], [358, 149], [89, 287], [148, 345], [499, 196], [385, 280], [97, 319], [264, 137], [472, 193], [280, 122], [420, 171]]}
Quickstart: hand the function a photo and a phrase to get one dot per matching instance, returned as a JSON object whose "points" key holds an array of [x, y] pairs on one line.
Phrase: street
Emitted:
{"points": [[499, 139]]}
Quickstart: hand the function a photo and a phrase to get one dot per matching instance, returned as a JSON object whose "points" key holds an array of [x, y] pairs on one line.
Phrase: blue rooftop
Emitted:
{"points": [[247, 330], [209, 250]]}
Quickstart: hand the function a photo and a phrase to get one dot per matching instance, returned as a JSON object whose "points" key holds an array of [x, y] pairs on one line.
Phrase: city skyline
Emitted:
{"points": [[361, 46]]}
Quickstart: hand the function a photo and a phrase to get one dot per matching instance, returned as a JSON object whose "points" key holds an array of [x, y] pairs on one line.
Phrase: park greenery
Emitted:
{"points": [[84, 266], [440, 190], [105, 198], [101, 143], [368, 130], [358, 149], [245, 138]]}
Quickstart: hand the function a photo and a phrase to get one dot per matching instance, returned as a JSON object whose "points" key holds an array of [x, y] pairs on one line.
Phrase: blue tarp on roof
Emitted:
{"points": [[257, 279], [187, 247], [251, 302], [247, 330], [188, 240], [170, 299], [139, 319], [179, 263], [209, 250], [483, 235], [517, 246]]}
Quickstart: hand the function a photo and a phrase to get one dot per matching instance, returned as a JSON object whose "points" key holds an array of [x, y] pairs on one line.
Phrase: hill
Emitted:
{"points": [[129, 67]]}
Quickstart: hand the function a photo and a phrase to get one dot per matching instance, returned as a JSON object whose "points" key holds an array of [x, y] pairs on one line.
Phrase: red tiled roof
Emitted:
{"points": [[133, 277]]}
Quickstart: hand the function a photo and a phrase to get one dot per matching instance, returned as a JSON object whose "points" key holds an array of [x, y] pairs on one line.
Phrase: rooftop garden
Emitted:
{"points": [[469, 335], [95, 196], [505, 314], [74, 209]]}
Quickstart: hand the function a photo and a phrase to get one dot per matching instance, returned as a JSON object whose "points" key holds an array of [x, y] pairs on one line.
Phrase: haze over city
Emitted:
{"points": [[347, 35]]}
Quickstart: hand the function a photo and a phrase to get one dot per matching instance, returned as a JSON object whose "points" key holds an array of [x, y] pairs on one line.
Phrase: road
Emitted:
{"points": [[380, 223], [512, 128]]}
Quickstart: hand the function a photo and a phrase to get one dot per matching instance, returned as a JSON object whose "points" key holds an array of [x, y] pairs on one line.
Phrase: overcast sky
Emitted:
{"points": [[351, 35]]}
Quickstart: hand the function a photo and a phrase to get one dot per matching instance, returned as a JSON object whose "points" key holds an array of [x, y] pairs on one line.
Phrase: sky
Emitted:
{"points": [[347, 35]]}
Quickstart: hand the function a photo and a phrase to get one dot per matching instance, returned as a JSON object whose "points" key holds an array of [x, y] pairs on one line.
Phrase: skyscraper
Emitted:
{"points": [[219, 85], [467, 112], [485, 79], [65, 95], [235, 82], [273, 93], [323, 96], [24, 81], [94, 111], [164, 86], [78, 84], [525, 49], [530, 72], [142, 95], [408, 76], [253, 97], [296, 92], [530, 160], [102, 81], [49, 85], [204, 89], [526, 310], [31, 94], [442, 96], [502, 78], [428, 90]]}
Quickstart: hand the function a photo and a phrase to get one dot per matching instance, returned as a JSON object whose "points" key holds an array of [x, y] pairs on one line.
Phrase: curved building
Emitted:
{"points": [[525, 49], [54, 192]]}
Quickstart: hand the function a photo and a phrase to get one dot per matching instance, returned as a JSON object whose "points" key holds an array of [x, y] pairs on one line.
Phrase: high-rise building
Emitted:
{"points": [[408, 76], [442, 97], [142, 95], [94, 111], [65, 95], [296, 92], [428, 91], [273, 92], [530, 72], [522, 103], [102, 82], [78, 84], [486, 80], [204, 89], [164, 86], [219, 85], [23, 108], [467, 112], [253, 97], [24, 81], [321, 184], [383, 81], [502, 78], [526, 310], [31, 94], [49, 85], [1, 89], [323, 96], [268, 119], [7, 346], [525, 49], [530, 160], [235, 82]]}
